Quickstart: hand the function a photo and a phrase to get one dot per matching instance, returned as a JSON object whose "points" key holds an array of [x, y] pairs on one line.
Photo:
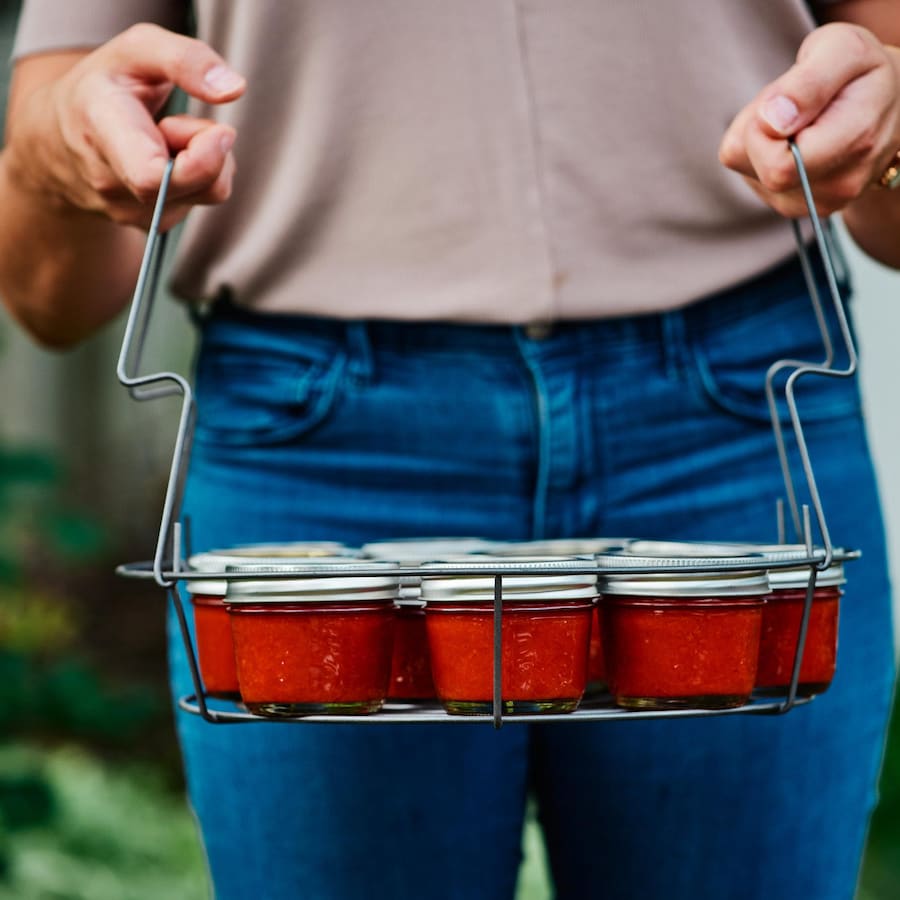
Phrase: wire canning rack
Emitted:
{"points": [[169, 570]]}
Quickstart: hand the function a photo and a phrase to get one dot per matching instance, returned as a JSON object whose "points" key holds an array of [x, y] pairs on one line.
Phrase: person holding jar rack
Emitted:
{"points": [[475, 268]]}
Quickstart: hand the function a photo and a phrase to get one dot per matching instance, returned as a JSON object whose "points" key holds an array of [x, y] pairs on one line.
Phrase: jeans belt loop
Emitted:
{"points": [[675, 349], [360, 359]]}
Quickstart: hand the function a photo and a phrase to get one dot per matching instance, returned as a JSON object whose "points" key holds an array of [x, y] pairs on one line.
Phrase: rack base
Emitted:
{"points": [[224, 712]]}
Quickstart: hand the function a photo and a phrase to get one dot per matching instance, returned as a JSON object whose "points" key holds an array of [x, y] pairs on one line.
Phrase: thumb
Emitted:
{"points": [[153, 54], [829, 59]]}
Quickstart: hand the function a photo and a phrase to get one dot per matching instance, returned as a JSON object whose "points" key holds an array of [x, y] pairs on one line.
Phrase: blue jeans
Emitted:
{"points": [[650, 426]]}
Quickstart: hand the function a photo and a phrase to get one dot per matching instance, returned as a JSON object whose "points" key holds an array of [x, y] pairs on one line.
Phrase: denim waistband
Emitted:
{"points": [[228, 323]]}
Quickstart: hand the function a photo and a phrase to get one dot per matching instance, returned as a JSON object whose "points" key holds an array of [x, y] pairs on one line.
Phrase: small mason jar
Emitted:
{"points": [[781, 630], [215, 647], [314, 645], [545, 633], [212, 629], [411, 662], [597, 684], [586, 547], [681, 640], [783, 612]]}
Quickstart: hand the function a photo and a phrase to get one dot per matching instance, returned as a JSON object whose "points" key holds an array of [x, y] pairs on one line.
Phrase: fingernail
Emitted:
{"points": [[222, 79], [226, 142], [781, 113]]}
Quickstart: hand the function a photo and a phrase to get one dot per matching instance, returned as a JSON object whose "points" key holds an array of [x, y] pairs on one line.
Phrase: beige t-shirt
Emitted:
{"points": [[473, 160]]}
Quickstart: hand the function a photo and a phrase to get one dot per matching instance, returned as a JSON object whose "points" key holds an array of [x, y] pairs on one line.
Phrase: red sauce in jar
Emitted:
{"points": [[215, 648], [313, 658], [780, 632], [544, 656], [670, 654], [596, 677], [411, 662]]}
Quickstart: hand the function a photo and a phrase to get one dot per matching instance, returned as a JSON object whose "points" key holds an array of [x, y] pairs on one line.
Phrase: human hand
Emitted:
{"points": [[841, 102], [89, 141]]}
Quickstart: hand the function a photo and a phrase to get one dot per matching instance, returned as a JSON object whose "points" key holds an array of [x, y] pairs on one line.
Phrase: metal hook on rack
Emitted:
{"points": [[802, 368], [159, 384]]}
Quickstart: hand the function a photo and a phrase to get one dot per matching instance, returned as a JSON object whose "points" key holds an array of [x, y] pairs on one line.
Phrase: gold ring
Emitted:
{"points": [[890, 178]]}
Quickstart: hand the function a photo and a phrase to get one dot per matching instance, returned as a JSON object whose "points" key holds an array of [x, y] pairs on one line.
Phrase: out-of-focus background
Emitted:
{"points": [[91, 804]]}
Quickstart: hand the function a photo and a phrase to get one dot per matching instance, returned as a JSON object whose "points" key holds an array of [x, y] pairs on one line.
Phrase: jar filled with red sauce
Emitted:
{"points": [[212, 629], [783, 612], [586, 547], [596, 677], [411, 661], [411, 664], [215, 647], [681, 640], [546, 622], [314, 645], [781, 630]]}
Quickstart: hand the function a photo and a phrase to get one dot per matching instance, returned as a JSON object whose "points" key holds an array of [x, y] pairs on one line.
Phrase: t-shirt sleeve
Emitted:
{"points": [[46, 25]]}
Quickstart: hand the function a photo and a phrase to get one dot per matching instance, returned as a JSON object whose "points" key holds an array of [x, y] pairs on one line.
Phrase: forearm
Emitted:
{"points": [[63, 272]]}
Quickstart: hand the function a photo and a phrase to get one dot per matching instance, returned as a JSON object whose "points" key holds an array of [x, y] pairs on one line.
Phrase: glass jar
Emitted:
{"points": [[596, 677], [215, 647], [545, 635], [411, 666], [411, 661], [783, 612], [212, 629], [415, 551], [781, 631], [682, 640], [586, 547], [314, 645]]}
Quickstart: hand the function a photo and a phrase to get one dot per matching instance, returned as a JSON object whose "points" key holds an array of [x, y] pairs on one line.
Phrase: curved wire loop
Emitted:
{"points": [[801, 369], [159, 384]]}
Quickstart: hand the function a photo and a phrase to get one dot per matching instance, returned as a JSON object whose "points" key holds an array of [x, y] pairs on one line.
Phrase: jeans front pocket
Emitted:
{"points": [[732, 355], [249, 394]]}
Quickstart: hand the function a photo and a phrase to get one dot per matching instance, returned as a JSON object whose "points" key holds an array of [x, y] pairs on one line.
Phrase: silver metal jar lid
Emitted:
{"points": [[779, 576], [216, 562], [292, 550], [775, 552], [545, 583], [795, 579], [559, 547], [414, 551], [694, 549], [668, 582], [317, 587]]}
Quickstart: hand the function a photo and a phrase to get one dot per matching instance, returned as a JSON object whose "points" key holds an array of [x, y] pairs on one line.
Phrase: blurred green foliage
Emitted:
{"points": [[881, 867], [80, 831], [66, 825]]}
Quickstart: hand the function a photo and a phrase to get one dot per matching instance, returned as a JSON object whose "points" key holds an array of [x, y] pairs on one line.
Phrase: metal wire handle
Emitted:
{"points": [[160, 384], [163, 384], [803, 368]]}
